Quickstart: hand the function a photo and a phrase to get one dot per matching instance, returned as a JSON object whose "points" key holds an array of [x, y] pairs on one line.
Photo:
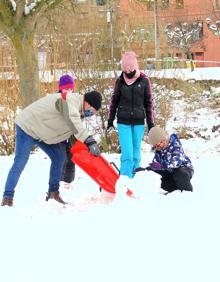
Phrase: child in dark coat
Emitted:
{"points": [[66, 83], [170, 161]]}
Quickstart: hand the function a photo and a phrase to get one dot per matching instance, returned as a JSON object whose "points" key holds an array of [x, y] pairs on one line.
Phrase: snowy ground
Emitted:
{"points": [[184, 74], [187, 74], [154, 238]]}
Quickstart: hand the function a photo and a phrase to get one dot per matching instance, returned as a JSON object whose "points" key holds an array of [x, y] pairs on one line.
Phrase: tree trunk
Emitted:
{"points": [[183, 63], [191, 61], [27, 67]]}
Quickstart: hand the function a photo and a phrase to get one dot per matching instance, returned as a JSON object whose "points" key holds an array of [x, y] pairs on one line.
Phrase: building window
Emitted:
{"points": [[164, 4], [179, 4], [150, 5], [199, 55], [190, 56], [149, 31]]}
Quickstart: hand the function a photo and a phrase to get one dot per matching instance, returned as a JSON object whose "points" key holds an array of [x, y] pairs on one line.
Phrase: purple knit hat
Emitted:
{"points": [[66, 81]]}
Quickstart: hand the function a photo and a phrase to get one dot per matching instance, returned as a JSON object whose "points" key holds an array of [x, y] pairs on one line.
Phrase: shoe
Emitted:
{"points": [[7, 202], [55, 196]]}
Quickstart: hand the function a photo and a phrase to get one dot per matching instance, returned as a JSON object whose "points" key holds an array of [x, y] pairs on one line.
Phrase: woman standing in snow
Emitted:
{"points": [[132, 103]]}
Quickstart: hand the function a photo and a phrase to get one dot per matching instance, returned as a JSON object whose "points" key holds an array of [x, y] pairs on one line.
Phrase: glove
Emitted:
{"points": [[110, 125], [150, 126], [139, 169], [92, 146], [154, 166]]}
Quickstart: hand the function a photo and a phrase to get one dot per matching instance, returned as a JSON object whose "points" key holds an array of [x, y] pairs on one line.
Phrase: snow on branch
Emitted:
{"points": [[182, 35], [30, 6], [214, 27], [13, 3]]}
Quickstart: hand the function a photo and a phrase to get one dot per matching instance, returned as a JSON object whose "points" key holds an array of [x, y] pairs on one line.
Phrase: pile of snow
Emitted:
{"points": [[101, 238]]}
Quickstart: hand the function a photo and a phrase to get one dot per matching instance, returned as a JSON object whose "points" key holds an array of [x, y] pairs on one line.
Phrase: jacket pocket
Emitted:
{"points": [[139, 113], [124, 112], [128, 113]]}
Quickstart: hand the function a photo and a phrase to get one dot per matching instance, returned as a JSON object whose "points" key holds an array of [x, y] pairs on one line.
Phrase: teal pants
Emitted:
{"points": [[130, 138]]}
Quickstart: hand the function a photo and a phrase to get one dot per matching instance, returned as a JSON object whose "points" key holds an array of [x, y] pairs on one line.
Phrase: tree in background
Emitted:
{"points": [[214, 26], [18, 20], [183, 35]]}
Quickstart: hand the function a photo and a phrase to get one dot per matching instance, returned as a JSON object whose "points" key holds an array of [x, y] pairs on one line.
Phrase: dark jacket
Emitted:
{"points": [[133, 103]]}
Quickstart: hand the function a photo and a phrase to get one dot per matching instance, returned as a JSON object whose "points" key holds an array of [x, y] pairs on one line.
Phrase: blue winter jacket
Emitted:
{"points": [[171, 157]]}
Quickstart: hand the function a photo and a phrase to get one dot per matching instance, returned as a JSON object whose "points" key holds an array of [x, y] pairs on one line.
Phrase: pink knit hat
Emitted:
{"points": [[129, 62]]}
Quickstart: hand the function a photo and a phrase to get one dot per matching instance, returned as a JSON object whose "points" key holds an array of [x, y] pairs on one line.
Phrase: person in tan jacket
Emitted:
{"points": [[46, 123]]}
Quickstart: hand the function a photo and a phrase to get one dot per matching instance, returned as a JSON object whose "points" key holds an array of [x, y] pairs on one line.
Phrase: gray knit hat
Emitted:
{"points": [[156, 135]]}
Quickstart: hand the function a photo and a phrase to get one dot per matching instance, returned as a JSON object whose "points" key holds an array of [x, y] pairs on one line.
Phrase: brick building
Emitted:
{"points": [[139, 18]]}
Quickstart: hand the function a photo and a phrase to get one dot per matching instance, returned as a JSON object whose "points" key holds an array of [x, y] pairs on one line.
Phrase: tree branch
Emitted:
{"points": [[20, 10], [2, 26], [6, 13], [44, 6]]}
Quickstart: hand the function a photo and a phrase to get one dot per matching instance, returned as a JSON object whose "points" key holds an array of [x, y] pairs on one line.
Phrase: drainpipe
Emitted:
{"points": [[156, 33]]}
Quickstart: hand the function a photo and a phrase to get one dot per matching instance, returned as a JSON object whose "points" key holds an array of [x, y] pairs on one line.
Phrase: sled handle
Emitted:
{"points": [[115, 166]]}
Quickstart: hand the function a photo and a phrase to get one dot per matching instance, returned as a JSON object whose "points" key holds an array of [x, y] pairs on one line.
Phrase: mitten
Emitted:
{"points": [[150, 125], [154, 166], [138, 169], [110, 125], [92, 146]]}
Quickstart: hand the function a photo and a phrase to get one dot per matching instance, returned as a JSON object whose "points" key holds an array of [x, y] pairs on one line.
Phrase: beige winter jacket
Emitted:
{"points": [[53, 120]]}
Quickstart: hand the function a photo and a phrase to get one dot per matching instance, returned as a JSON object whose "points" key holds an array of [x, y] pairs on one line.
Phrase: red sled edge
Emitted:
{"points": [[98, 168]]}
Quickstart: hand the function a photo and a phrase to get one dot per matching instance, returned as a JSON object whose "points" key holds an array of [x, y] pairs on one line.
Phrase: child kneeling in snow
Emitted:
{"points": [[170, 161]]}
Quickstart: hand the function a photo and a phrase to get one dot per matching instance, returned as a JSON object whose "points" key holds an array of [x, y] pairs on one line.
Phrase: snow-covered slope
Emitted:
{"points": [[153, 238]]}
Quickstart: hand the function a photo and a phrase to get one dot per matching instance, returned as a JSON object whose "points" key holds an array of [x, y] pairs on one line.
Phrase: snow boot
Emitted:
{"points": [[7, 202], [55, 196]]}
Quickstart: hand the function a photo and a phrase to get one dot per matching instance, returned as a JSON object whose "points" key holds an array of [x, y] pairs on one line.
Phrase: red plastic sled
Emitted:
{"points": [[100, 170]]}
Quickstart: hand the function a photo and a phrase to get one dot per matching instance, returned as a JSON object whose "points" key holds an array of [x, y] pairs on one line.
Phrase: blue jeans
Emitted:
{"points": [[130, 138], [23, 147]]}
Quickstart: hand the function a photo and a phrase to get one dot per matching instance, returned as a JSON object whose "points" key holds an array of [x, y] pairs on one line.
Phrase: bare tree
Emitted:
{"points": [[18, 20], [214, 27], [183, 35], [216, 8]]}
